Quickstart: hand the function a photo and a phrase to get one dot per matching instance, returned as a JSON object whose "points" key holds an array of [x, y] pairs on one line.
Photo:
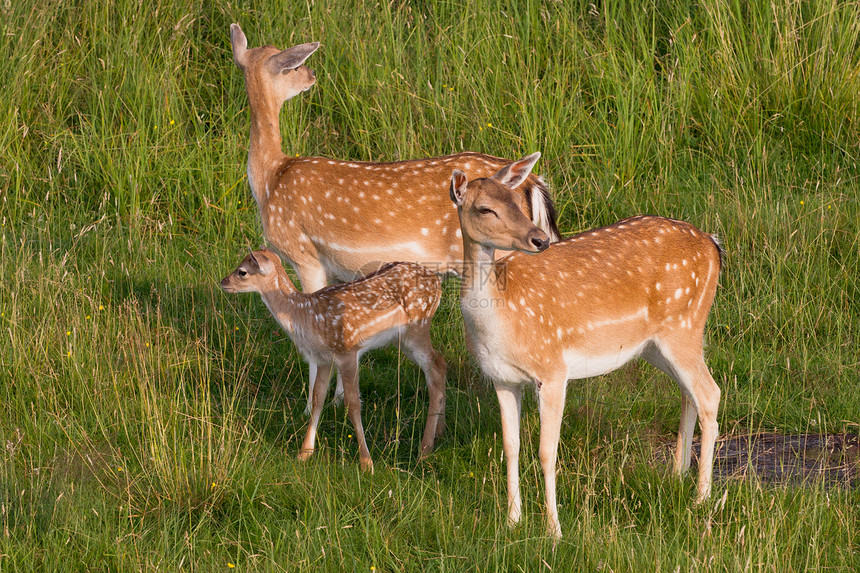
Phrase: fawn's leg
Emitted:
{"points": [[323, 376], [417, 345], [348, 368]]}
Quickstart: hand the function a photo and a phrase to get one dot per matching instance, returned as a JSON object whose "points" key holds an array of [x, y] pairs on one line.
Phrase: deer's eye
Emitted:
{"points": [[242, 273], [485, 211]]}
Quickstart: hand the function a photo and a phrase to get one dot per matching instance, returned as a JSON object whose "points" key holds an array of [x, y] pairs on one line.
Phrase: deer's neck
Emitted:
{"points": [[281, 298], [484, 306], [265, 156], [482, 276]]}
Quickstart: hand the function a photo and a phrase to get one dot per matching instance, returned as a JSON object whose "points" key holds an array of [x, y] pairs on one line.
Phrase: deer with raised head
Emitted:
{"points": [[580, 308], [334, 326], [336, 220]]}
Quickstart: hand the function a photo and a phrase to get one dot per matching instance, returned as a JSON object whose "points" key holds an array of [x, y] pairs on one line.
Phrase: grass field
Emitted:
{"points": [[149, 421]]}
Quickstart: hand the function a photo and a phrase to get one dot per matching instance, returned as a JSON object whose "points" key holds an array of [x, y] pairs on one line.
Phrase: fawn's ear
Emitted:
{"points": [[517, 172], [263, 258], [253, 260], [291, 58], [240, 45], [459, 183]]}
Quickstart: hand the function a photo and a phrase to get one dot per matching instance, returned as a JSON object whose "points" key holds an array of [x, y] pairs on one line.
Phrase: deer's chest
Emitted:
{"points": [[491, 342]]}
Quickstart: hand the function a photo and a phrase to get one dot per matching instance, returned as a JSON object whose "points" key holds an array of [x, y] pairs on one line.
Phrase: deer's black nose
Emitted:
{"points": [[541, 244]]}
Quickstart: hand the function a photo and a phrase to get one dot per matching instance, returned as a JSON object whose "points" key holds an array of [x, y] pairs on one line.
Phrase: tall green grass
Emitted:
{"points": [[150, 421]]}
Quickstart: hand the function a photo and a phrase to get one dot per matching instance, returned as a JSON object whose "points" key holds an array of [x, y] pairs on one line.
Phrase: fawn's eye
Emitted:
{"points": [[485, 211], [242, 273]]}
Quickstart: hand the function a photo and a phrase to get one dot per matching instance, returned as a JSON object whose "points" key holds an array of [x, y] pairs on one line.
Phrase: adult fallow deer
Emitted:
{"points": [[580, 308]]}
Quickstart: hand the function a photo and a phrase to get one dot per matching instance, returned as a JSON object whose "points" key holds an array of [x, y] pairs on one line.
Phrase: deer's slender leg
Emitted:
{"points": [[685, 363], [323, 376], [348, 368], [551, 399], [417, 345], [510, 404]]}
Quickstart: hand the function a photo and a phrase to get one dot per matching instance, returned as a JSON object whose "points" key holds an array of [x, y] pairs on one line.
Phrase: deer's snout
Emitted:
{"points": [[538, 239]]}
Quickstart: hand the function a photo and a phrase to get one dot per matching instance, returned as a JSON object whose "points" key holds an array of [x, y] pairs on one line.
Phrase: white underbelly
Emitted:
{"points": [[587, 365], [384, 338]]}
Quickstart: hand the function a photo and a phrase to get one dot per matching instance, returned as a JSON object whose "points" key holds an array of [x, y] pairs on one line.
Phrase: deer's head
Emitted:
{"points": [[276, 75], [257, 270], [492, 214]]}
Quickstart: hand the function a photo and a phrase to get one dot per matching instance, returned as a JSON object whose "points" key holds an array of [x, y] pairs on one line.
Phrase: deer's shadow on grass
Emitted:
{"points": [[245, 351]]}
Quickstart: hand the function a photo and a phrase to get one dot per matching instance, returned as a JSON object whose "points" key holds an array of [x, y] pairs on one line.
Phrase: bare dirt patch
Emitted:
{"points": [[833, 459]]}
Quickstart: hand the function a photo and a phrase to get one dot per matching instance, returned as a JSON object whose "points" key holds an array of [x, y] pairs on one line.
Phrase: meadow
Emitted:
{"points": [[148, 421]]}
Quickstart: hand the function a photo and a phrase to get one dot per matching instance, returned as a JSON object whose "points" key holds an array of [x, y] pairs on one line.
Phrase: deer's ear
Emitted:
{"points": [[517, 172], [459, 182], [240, 45], [291, 58], [252, 258], [264, 260]]}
